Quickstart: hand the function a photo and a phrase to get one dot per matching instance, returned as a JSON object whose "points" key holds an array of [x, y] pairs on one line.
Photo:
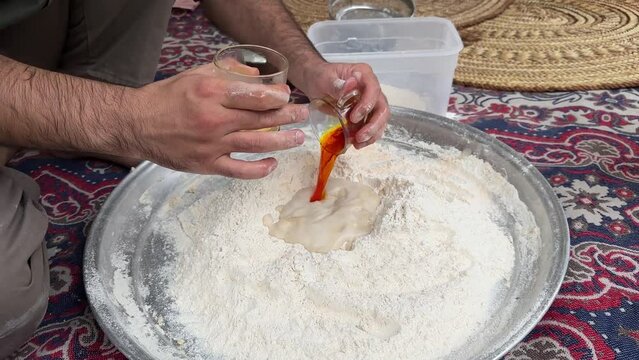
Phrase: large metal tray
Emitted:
{"points": [[123, 227]]}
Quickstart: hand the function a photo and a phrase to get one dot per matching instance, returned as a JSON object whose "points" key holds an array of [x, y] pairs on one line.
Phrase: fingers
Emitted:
{"points": [[232, 65], [372, 104], [371, 92], [228, 64], [378, 135], [242, 169], [263, 141], [257, 97], [374, 128], [206, 69], [252, 120]]}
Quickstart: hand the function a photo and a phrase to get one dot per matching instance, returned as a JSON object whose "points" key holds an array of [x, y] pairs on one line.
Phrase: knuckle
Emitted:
{"points": [[365, 67], [201, 122], [386, 114], [205, 86], [218, 167], [294, 113], [301, 113], [285, 115], [289, 114], [200, 154], [253, 142], [270, 118]]}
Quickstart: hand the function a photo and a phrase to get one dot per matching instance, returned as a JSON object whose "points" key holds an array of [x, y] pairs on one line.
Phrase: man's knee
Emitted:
{"points": [[125, 39], [24, 277]]}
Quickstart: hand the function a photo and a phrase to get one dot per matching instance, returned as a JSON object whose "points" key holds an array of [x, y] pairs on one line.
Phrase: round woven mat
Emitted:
{"points": [[461, 13], [544, 45]]}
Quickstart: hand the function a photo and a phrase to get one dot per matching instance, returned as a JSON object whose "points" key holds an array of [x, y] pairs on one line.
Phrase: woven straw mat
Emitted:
{"points": [[545, 45], [461, 12]]}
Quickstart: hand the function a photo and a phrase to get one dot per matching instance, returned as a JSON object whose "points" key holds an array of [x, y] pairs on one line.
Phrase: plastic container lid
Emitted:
{"points": [[421, 35]]}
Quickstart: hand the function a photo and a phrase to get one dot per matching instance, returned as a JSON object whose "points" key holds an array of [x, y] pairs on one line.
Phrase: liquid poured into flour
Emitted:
{"points": [[336, 214], [346, 213], [332, 144]]}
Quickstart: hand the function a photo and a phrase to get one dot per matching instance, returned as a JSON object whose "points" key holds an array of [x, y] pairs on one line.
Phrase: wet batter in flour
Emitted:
{"points": [[346, 213]]}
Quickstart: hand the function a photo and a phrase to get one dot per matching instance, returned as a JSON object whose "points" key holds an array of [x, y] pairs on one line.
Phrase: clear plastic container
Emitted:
{"points": [[414, 58]]}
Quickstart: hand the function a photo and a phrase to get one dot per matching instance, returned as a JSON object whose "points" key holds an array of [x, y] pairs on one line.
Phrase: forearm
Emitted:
{"points": [[266, 23], [43, 109]]}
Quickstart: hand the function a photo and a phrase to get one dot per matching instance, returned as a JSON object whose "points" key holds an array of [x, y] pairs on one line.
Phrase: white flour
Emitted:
{"points": [[419, 286], [404, 97]]}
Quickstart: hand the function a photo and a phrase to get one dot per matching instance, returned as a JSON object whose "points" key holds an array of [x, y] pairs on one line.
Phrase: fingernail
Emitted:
{"points": [[299, 137], [361, 114], [364, 137], [271, 168], [279, 95], [339, 84]]}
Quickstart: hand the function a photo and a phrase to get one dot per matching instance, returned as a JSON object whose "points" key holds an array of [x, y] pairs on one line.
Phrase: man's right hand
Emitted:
{"points": [[195, 120]]}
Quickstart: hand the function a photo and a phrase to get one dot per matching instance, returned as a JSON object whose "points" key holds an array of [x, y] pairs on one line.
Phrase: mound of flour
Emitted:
{"points": [[420, 285]]}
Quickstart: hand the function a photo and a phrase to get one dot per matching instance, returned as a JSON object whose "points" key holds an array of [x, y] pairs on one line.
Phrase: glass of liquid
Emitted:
{"points": [[252, 64], [330, 116]]}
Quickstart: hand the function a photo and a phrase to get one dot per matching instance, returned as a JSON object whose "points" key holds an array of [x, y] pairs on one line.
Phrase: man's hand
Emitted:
{"points": [[247, 20], [190, 122], [337, 79], [194, 120]]}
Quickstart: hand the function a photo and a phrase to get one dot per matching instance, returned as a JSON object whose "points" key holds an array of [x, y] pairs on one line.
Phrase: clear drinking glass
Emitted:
{"points": [[368, 9], [236, 61], [327, 113], [252, 64]]}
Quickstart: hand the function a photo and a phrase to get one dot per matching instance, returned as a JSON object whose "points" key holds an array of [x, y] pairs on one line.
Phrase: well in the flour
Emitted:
{"points": [[346, 213]]}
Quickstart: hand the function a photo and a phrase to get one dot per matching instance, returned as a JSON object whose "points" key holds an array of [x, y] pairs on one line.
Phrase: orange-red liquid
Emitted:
{"points": [[332, 144]]}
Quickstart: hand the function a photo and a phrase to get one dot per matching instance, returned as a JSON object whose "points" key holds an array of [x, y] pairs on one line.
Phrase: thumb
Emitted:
{"points": [[230, 65]]}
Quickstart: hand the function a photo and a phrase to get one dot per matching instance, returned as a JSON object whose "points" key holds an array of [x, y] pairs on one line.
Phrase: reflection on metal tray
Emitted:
{"points": [[125, 222]]}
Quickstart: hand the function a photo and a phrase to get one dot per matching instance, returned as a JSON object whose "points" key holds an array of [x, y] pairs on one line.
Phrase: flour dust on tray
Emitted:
{"points": [[419, 285]]}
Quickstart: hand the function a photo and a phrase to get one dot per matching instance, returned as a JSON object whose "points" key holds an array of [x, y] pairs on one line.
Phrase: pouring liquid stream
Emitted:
{"points": [[337, 137], [332, 145]]}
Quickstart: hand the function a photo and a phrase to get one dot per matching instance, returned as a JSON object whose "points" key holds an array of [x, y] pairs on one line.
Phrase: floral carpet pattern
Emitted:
{"points": [[584, 143]]}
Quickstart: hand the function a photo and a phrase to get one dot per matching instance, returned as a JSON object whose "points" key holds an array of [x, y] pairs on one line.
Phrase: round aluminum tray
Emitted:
{"points": [[135, 323]]}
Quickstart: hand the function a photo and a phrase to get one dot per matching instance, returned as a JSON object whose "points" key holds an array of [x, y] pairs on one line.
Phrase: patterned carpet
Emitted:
{"points": [[585, 143]]}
